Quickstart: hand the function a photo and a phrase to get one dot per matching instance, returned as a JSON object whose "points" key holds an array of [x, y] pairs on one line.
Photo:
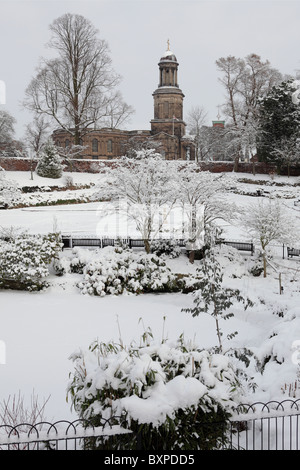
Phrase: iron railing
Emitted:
{"points": [[266, 426], [61, 435], [260, 426]]}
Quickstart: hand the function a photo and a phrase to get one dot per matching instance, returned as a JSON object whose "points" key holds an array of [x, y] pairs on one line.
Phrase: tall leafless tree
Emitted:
{"points": [[7, 122], [245, 82], [77, 89], [195, 120]]}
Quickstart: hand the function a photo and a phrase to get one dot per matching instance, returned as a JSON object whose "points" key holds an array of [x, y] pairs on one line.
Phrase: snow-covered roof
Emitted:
{"points": [[169, 55]]}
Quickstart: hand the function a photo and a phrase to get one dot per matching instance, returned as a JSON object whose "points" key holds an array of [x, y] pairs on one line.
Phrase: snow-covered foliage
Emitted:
{"points": [[25, 260], [117, 270], [10, 194], [50, 163], [169, 248], [164, 388]]}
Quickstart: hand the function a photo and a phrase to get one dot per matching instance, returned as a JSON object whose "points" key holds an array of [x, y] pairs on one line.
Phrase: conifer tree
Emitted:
{"points": [[279, 120], [50, 163]]}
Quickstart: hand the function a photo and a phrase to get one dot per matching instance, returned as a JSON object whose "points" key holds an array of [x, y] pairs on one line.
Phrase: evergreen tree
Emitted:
{"points": [[279, 120], [50, 163]]}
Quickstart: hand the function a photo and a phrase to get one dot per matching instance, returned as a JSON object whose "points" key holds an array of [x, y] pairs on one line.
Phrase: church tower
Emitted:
{"points": [[168, 99]]}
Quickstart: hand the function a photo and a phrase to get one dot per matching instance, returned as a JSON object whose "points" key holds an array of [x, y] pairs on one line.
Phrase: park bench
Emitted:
{"points": [[293, 252], [241, 246]]}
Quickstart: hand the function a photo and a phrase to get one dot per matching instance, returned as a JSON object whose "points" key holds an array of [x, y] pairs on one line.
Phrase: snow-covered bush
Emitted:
{"points": [[169, 248], [173, 394], [10, 194], [50, 163], [117, 270], [25, 260], [80, 259]]}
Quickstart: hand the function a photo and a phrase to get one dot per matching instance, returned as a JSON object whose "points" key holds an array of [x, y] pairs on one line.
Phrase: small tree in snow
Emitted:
{"points": [[267, 222], [50, 163], [213, 297], [142, 188], [198, 193]]}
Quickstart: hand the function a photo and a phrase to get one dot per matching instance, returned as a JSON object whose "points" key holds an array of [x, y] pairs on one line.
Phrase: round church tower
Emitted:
{"points": [[168, 99]]}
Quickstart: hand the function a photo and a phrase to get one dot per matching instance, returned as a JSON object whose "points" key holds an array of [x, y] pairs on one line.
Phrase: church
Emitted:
{"points": [[167, 126]]}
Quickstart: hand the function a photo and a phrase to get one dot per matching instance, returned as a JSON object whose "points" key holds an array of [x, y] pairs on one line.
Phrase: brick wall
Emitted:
{"points": [[92, 166]]}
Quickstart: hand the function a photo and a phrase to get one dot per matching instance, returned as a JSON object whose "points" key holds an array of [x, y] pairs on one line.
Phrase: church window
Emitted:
{"points": [[67, 143], [166, 109], [109, 145], [94, 145]]}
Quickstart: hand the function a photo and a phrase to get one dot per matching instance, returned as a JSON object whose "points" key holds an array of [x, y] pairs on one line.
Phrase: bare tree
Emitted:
{"points": [[7, 122], [37, 133], [195, 120], [77, 88], [245, 81]]}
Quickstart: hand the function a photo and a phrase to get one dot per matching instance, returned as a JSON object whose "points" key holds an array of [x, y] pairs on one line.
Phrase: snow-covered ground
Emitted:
{"points": [[40, 330]]}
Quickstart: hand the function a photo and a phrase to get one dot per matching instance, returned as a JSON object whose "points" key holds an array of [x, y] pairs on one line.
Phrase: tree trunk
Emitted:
{"points": [[236, 163], [265, 265], [147, 246], [192, 256]]}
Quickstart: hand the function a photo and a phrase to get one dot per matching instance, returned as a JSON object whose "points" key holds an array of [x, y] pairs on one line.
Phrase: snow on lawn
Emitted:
{"points": [[42, 329], [23, 178]]}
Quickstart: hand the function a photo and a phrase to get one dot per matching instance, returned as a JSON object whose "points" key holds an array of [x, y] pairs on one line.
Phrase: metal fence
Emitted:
{"points": [[61, 435], [260, 426], [266, 426], [71, 242]]}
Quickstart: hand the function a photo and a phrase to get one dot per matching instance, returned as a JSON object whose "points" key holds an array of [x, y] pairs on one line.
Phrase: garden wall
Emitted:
{"points": [[92, 166]]}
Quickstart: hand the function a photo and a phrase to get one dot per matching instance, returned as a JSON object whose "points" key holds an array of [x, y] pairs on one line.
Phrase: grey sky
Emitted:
{"points": [[200, 32]]}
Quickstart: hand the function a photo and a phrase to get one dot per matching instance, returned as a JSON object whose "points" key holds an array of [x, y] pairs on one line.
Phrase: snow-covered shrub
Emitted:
{"points": [[50, 163], [25, 260], [169, 248], [80, 259], [10, 194], [117, 270], [76, 263], [173, 394]]}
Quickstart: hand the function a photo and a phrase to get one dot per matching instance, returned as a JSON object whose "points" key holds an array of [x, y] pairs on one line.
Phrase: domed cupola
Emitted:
{"points": [[168, 67]]}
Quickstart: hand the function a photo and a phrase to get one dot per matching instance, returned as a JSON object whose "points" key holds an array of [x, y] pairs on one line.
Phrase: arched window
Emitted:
{"points": [[94, 145], [67, 143], [109, 146]]}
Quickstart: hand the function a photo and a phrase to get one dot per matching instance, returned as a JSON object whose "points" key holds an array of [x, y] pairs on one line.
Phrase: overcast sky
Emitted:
{"points": [[200, 32]]}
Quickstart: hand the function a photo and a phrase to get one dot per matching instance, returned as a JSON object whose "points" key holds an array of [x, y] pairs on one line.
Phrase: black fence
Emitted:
{"points": [[260, 426], [71, 242], [266, 426]]}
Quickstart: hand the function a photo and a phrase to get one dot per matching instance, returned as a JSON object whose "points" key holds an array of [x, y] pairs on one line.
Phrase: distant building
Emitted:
{"points": [[167, 126]]}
